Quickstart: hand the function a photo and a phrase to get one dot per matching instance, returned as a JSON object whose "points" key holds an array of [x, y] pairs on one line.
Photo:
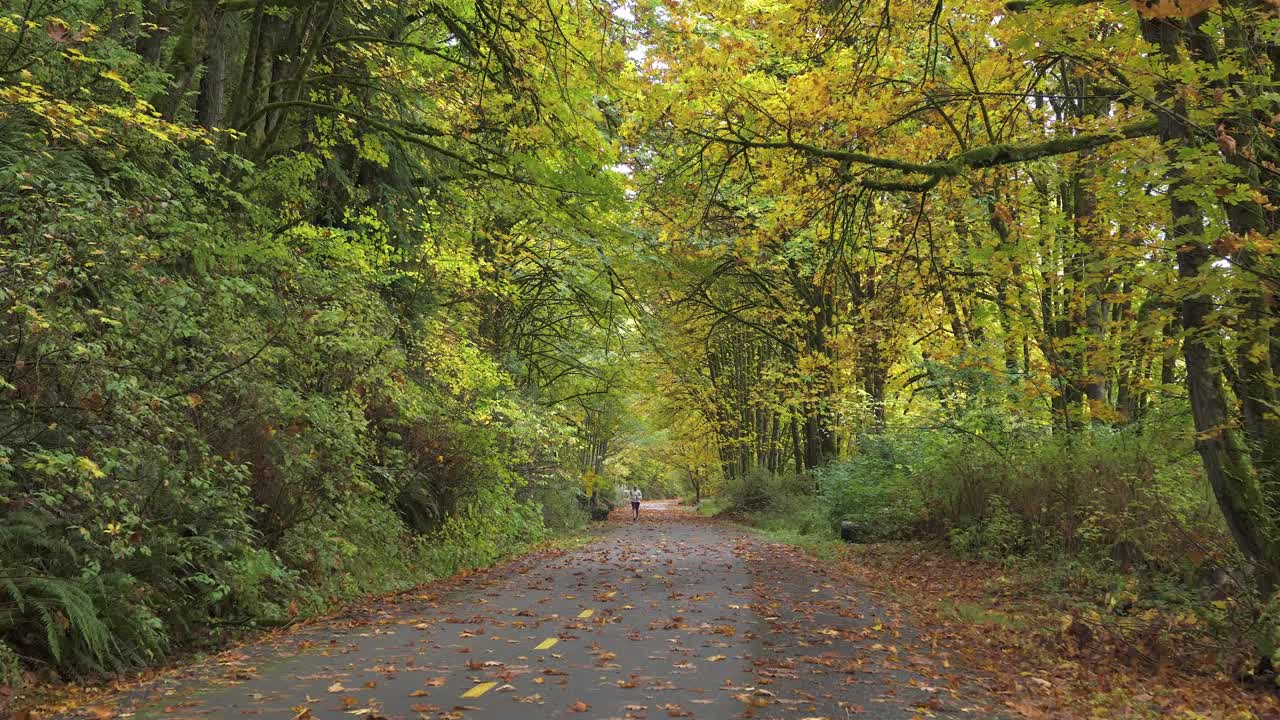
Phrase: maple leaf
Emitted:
{"points": [[57, 31]]}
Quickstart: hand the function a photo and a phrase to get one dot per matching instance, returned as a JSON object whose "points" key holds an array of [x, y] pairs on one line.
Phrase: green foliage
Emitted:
{"points": [[1126, 496], [1268, 636], [564, 505], [998, 534], [875, 489], [1122, 496], [759, 491], [83, 617], [481, 531], [776, 502], [246, 375], [10, 667]]}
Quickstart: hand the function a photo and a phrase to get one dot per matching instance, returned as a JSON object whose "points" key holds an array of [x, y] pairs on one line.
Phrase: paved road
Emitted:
{"points": [[673, 616]]}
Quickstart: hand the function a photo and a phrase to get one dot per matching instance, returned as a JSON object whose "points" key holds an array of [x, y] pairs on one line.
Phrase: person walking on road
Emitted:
{"points": [[635, 504]]}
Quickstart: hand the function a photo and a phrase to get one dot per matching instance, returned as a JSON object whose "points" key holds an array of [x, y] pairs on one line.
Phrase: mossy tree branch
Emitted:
{"points": [[987, 156]]}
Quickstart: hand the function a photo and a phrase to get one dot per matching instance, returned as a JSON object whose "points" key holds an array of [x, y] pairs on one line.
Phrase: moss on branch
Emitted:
{"points": [[976, 159]]}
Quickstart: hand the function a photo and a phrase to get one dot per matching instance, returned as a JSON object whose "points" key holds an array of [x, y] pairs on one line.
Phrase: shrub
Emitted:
{"points": [[875, 489], [564, 507], [1126, 496], [52, 603], [482, 531], [10, 670], [998, 534], [1119, 496], [760, 491]]}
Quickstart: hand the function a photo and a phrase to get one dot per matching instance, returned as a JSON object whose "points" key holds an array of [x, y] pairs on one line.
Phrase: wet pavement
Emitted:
{"points": [[672, 616]]}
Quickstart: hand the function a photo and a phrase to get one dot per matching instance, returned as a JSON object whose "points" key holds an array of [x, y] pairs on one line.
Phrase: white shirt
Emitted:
{"points": [[635, 495]]}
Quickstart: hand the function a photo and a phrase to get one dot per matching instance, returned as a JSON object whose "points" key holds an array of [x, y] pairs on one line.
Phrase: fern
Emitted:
{"points": [[69, 612], [83, 620]]}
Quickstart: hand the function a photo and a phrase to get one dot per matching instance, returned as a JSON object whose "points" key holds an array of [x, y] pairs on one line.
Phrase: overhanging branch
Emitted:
{"points": [[987, 156]]}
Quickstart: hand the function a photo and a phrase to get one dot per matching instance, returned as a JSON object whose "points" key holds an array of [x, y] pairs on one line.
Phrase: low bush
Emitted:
{"points": [[1123, 496], [1128, 496], [876, 489], [781, 504], [564, 506], [761, 491]]}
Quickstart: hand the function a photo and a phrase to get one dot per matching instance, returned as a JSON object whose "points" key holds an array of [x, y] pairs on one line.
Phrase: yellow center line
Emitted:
{"points": [[586, 614], [479, 690], [547, 644]]}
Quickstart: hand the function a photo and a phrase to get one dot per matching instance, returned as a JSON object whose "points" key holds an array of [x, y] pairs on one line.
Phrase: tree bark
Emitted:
{"points": [[1223, 453], [211, 104], [188, 53]]}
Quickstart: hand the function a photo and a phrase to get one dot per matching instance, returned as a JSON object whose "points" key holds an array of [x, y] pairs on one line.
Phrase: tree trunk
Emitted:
{"points": [[1256, 387], [188, 53], [874, 384], [211, 104], [156, 20], [797, 447], [1223, 453]]}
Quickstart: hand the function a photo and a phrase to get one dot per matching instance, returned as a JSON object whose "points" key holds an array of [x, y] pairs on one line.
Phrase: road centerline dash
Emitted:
{"points": [[479, 690]]}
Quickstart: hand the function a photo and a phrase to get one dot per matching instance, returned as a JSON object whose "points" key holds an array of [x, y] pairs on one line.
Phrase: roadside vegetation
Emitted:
{"points": [[293, 310], [1094, 562], [1131, 545]]}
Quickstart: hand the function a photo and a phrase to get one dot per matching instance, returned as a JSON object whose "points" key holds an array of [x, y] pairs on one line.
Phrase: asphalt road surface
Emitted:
{"points": [[673, 616]]}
